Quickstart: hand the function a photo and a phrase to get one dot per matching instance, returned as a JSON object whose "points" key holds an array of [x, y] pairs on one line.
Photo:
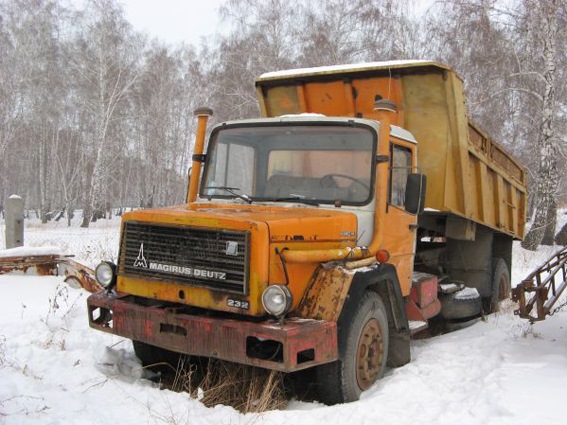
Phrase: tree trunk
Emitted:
{"points": [[87, 197], [561, 238], [87, 214], [549, 234], [547, 176]]}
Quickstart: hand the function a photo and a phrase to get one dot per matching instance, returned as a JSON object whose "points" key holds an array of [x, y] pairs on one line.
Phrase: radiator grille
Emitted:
{"points": [[215, 259]]}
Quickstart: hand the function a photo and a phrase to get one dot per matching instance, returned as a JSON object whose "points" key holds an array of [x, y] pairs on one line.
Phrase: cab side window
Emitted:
{"points": [[400, 168]]}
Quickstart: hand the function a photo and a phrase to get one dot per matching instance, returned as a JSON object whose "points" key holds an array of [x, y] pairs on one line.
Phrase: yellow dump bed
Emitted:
{"points": [[468, 174]]}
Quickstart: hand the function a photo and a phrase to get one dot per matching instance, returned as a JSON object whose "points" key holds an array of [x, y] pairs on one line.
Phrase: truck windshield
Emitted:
{"points": [[282, 163]]}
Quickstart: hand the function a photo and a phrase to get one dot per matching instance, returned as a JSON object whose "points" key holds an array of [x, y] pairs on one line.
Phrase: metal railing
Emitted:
{"points": [[542, 288]]}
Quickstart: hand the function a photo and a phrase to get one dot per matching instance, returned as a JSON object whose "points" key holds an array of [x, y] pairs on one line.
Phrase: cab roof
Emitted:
{"points": [[396, 131]]}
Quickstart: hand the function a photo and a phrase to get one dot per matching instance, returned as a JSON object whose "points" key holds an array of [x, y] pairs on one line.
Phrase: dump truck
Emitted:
{"points": [[362, 206]]}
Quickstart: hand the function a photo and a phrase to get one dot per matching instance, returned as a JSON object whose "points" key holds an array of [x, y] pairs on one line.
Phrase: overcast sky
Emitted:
{"points": [[174, 21]]}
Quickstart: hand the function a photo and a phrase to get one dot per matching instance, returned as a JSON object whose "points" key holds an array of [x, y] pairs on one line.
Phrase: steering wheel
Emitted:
{"points": [[328, 180]]}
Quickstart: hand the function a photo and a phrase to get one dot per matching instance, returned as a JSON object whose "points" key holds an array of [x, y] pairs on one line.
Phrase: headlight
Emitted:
{"points": [[277, 300], [105, 274]]}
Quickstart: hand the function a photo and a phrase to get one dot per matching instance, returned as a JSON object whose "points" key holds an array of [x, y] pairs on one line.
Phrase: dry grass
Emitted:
{"points": [[246, 388]]}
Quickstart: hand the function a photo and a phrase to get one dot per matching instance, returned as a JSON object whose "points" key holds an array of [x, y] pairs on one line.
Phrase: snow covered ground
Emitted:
{"points": [[55, 370]]}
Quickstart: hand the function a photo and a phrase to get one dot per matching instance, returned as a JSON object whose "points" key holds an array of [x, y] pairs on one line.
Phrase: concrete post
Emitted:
{"points": [[14, 222]]}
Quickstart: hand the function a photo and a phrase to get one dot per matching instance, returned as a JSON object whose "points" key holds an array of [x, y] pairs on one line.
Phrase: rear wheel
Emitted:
{"points": [[501, 286], [364, 353], [461, 305]]}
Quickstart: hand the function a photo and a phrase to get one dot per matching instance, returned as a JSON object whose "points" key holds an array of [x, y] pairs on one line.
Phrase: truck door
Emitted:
{"points": [[400, 226]]}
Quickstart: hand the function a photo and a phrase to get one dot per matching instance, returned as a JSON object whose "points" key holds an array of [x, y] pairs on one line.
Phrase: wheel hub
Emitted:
{"points": [[370, 353]]}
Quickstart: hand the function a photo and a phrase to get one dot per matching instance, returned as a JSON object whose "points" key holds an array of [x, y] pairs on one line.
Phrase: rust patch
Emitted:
{"points": [[43, 265], [326, 295], [76, 271], [293, 345], [52, 265]]}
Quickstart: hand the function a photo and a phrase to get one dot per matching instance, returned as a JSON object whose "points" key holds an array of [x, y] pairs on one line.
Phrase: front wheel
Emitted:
{"points": [[364, 352]]}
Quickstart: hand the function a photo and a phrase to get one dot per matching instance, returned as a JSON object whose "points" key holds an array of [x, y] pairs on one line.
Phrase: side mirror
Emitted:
{"points": [[415, 193]]}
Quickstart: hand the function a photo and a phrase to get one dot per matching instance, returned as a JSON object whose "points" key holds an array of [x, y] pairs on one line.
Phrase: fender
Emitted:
{"points": [[327, 293], [383, 280], [334, 294]]}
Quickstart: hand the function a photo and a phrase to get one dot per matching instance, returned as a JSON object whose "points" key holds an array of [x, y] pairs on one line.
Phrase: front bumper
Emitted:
{"points": [[294, 345]]}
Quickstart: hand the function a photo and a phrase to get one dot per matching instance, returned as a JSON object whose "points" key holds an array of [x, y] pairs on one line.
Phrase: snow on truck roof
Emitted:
{"points": [[349, 68]]}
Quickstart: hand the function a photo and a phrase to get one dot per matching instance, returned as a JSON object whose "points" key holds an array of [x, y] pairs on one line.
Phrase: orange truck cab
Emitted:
{"points": [[308, 240]]}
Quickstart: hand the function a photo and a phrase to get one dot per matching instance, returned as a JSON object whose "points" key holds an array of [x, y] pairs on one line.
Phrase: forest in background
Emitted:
{"points": [[94, 114]]}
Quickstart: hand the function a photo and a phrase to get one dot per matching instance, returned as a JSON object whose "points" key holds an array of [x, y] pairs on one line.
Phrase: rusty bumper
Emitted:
{"points": [[294, 345]]}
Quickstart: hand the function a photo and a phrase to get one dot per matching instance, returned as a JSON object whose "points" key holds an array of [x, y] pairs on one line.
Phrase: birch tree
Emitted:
{"points": [[32, 97], [472, 38], [91, 113], [10, 109], [508, 54], [107, 65], [163, 98], [545, 27], [262, 38], [336, 32], [331, 33]]}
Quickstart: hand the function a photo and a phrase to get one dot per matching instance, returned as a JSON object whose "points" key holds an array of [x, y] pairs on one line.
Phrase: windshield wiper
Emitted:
{"points": [[296, 198], [232, 191]]}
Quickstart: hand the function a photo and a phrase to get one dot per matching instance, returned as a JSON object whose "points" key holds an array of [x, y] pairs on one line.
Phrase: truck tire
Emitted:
{"points": [[156, 358], [501, 286], [457, 306], [364, 353]]}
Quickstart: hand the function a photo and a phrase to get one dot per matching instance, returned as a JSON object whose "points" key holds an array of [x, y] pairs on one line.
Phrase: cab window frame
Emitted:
{"points": [[396, 194]]}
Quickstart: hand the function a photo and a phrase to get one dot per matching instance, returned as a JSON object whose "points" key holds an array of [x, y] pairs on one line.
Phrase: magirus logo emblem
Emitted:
{"points": [[140, 259]]}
